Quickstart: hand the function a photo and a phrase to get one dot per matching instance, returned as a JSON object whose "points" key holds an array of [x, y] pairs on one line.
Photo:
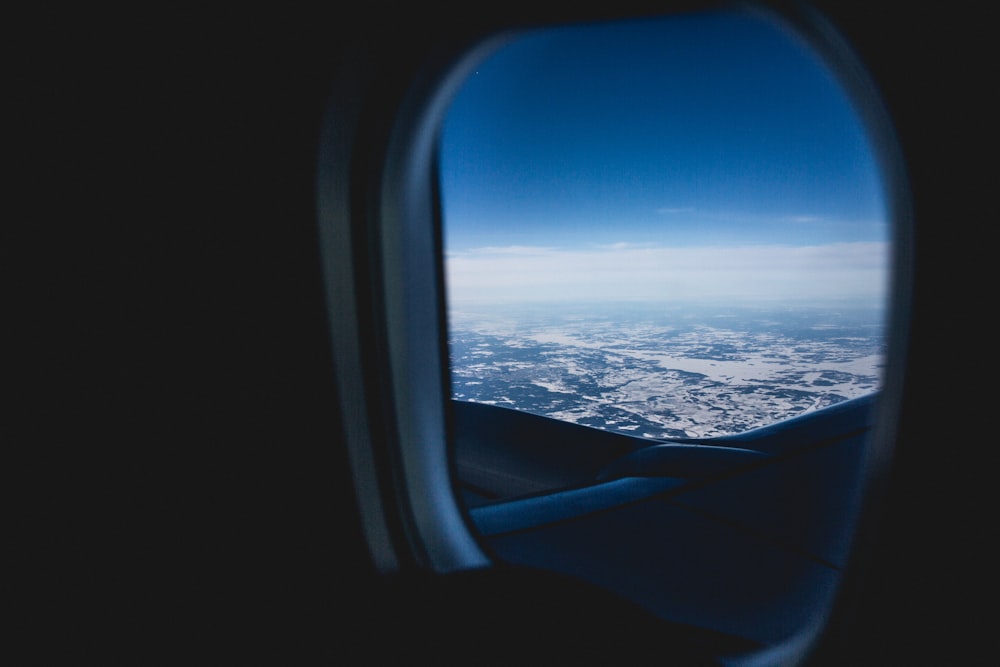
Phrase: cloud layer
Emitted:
{"points": [[630, 272]]}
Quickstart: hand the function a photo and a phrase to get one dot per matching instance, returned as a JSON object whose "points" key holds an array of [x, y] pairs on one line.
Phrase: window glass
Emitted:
{"points": [[664, 228]]}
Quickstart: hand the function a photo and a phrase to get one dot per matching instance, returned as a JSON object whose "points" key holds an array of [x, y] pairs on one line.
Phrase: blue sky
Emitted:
{"points": [[702, 156]]}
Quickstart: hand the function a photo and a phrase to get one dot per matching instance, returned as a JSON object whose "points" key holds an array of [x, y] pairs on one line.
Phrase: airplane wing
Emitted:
{"points": [[733, 537]]}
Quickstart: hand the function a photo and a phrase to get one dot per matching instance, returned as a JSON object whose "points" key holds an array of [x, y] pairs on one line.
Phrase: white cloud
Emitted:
{"points": [[509, 251], [625, 271], [623, 245]]}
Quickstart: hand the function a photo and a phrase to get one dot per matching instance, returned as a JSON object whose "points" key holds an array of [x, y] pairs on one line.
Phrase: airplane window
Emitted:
{"points": [[674, 254], [663, 228]]}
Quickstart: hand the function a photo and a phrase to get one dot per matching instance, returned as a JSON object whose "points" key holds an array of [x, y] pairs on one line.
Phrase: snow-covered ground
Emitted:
{"points": [[664, 377]]}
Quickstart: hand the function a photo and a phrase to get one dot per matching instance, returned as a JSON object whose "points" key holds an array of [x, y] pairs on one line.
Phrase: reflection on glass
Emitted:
{"points": [[664, 228]]}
